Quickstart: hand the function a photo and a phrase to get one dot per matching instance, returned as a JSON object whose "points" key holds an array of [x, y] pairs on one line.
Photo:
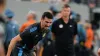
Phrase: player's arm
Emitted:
{"points": [[75, 41], [75, 33], [40, 51], [53, 30], [12, 44], [22, 36]]}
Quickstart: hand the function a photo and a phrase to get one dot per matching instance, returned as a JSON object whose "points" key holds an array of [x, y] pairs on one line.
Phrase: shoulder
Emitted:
{"points": [[72, 22], [14, 22], [57, 21], [33, 27]]}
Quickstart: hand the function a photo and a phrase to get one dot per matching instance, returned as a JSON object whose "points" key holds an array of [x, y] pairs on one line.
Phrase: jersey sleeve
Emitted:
{"points": [[75, 29], [53, 27], [25, 35]]}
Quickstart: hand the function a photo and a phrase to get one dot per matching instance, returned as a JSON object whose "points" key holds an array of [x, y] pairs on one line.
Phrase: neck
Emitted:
{"points": [[41, 25], [66, 19]]}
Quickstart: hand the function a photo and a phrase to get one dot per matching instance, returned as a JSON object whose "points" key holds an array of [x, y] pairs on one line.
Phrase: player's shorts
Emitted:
{"points": [[21, 52]]}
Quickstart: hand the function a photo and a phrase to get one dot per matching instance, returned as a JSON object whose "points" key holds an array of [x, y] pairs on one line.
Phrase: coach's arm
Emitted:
{"points": [[12, 44]]}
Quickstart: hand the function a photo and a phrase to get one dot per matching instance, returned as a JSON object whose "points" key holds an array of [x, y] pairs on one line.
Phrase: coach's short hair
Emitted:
{"points": [[48, 15]]}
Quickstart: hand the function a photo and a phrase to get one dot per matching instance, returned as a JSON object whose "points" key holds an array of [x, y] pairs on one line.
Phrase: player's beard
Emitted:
{"points": [[46, 27]]}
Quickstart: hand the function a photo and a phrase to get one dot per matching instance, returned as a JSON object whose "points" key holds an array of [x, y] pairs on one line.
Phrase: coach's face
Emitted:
{"points": [[46, 22], [66, 12]]}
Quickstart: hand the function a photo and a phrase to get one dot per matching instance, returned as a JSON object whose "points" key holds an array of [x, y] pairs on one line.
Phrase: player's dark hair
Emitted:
{"points": [[48, 15]]}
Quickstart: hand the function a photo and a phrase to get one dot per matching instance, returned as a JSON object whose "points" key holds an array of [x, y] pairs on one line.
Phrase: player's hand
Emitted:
{"points": [[99, 52]]}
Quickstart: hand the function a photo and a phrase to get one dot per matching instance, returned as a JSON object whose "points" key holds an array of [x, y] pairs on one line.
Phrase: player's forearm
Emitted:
{"points": [[40, 51], [11, 46]]}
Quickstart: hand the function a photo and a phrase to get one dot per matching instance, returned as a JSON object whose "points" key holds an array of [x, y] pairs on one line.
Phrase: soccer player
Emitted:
{"points": [[32, 35]]}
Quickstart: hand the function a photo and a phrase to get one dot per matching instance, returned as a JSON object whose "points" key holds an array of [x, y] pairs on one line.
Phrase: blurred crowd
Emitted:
{"points": [[87, 2], [84, 43]]}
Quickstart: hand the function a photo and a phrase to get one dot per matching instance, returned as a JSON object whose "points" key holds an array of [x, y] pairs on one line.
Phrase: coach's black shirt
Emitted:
{"points": [[64, 33], [32, 35]]}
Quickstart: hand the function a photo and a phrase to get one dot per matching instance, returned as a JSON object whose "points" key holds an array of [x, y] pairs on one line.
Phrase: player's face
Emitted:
{"points": [[66, 12], [46, 22]]}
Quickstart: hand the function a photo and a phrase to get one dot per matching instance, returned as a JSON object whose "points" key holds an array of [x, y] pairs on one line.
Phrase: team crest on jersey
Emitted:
{"points": [[33, 29], [44, 35], [70, 26], [48, 43], [61, 26]]}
